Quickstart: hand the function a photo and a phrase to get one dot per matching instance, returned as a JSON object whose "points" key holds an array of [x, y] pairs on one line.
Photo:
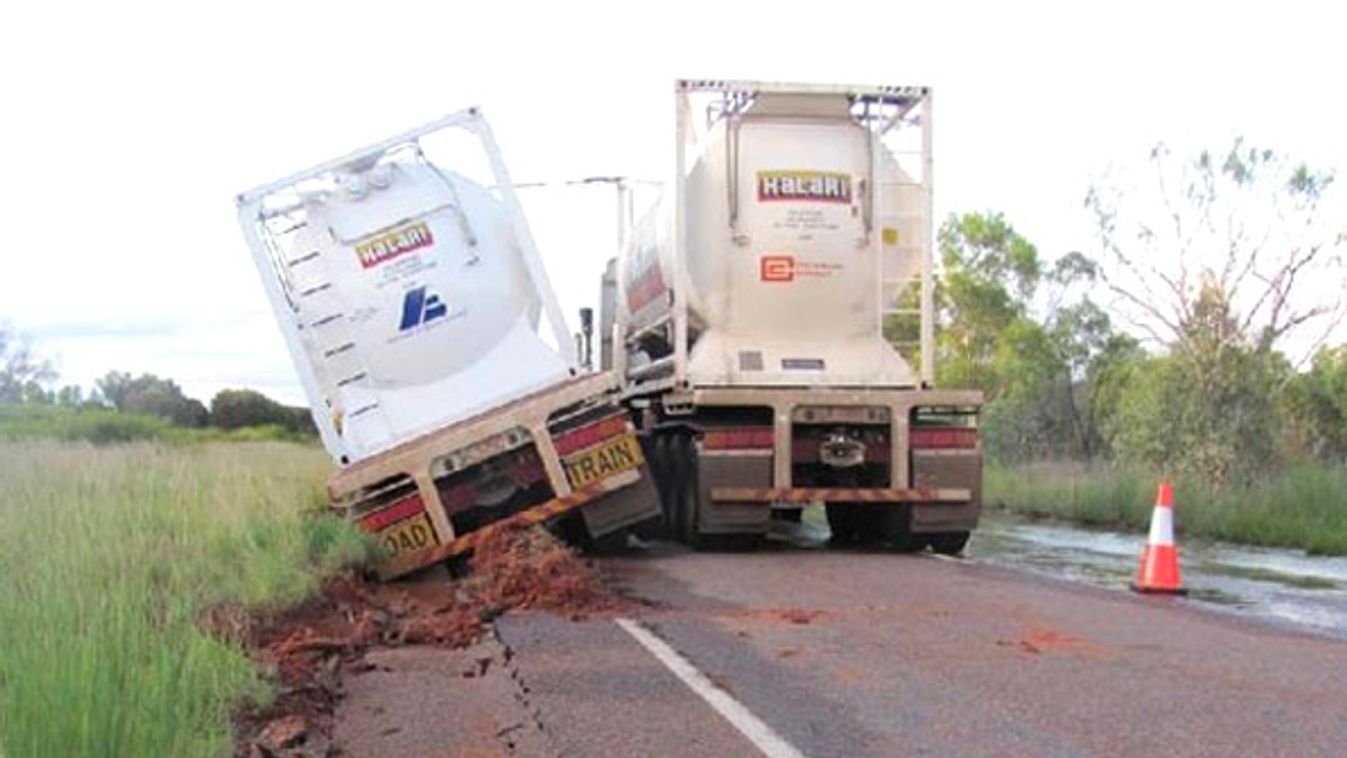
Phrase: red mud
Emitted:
{"points": [[527, 568], [307, 648], [799, 616], [1041, 641]]}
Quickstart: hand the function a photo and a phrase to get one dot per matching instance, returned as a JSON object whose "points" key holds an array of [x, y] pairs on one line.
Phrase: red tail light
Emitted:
{"points": [[742, 438], [587, 436], [943, 438]]}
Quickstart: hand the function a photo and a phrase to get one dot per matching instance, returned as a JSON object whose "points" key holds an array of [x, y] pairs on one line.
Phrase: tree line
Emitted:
{"points": [[1164, 346], [27, 379]]}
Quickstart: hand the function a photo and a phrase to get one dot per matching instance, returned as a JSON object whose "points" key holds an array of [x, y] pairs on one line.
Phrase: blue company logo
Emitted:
{"points": [[420, 307]]}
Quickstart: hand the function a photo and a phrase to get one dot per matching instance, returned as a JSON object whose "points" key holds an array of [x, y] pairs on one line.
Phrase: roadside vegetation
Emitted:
{"points": [[103, 426], [122, 407], [113, 555], [1191, 343], [1300, 507]]}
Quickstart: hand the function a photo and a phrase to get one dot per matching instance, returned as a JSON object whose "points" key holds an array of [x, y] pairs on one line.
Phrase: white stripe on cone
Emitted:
{"points": [[1162, 526]]}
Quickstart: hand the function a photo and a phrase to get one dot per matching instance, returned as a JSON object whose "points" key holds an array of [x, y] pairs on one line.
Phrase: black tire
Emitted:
{"points": [[649, 450], [612, 543], [895, 526], [662, 469], [689, 489], [739, 542], [844, 521], [948, 543]]}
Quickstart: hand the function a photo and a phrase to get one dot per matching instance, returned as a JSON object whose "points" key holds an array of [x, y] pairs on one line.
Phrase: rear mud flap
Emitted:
{"points": [[626, 507], [948, 468], [733, 517], [947, 517]]}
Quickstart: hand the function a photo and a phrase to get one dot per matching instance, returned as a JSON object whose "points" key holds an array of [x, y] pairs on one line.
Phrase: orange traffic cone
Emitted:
{"points": [[1159, 570]]}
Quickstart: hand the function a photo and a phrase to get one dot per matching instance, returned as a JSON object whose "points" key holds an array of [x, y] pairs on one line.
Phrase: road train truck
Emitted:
{"points": [[748, 310], [411, 296]]}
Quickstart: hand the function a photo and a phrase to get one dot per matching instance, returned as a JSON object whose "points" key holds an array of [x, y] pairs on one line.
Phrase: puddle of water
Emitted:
{"points": [[1301, 581], [1282, 585]]}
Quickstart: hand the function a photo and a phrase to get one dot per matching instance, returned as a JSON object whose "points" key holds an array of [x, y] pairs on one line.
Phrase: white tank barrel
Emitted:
{"points": [[801, 231], [406, 292]]}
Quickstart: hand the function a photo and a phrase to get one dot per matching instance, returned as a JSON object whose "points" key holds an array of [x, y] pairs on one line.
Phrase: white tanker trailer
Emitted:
{"points": [[747, 312], [410, 298]]}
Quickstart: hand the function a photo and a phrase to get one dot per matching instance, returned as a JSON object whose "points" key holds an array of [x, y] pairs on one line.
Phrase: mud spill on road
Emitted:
{"points": [[797, 616], [308, 649], [1046, 641], [528, 568]]}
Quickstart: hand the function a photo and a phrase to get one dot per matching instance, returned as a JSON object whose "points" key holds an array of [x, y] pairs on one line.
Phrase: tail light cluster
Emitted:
{"points": [[739, 438], [590, 435], [943, 438], [944, 428]]}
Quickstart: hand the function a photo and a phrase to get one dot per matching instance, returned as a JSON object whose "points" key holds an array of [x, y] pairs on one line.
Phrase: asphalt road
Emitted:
{"points": [[843, 654], [791, 651]]}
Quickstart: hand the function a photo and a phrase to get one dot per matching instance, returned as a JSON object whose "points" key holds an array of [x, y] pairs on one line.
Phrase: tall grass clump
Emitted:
{"points": [[109, 558], [1304, 506]]}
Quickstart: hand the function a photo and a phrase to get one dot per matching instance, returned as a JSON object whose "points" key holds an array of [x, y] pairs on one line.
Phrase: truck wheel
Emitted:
{"points": [[612, 543], [844, 522], [689, 489], [662, 468], [895, 525], [948, 543]]}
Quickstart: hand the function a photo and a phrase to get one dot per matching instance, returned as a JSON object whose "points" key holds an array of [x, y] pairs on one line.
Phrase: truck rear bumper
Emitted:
{"points": [[394, 494], [538, 514], [749, 468], [788, 405]]}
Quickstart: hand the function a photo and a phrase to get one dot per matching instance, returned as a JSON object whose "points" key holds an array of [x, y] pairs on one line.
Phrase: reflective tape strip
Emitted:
{"points": [[744, 438], [405, 508], [588, 436], [840, 495], [1162, 526]]}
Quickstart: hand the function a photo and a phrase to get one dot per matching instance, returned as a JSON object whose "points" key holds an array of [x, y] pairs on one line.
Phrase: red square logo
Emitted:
{"points": [[777, 268]]}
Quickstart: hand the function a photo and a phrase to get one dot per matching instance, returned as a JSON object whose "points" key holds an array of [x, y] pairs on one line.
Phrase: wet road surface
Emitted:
{"points": [[1028, 647], [1278, 586], [879, 654]]}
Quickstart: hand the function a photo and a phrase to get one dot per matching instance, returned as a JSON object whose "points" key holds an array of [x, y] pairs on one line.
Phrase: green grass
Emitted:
{"points": [[1303, 507], [109, 557]]}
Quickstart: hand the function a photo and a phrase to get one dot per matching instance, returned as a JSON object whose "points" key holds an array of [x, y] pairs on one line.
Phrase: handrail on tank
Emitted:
{"points": [[739, 94], [458, 118], [855, 90]]}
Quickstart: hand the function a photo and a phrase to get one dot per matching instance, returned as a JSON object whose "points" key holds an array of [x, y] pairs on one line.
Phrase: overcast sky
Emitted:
{"points": [[128, 128]]}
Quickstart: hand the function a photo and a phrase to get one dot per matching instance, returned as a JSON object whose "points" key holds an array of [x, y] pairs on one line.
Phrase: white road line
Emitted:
{"points": [[769, 742]]}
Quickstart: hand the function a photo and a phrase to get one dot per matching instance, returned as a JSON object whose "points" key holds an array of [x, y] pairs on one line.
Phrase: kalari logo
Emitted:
{"points": [[386, 247], [804, 186]]}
